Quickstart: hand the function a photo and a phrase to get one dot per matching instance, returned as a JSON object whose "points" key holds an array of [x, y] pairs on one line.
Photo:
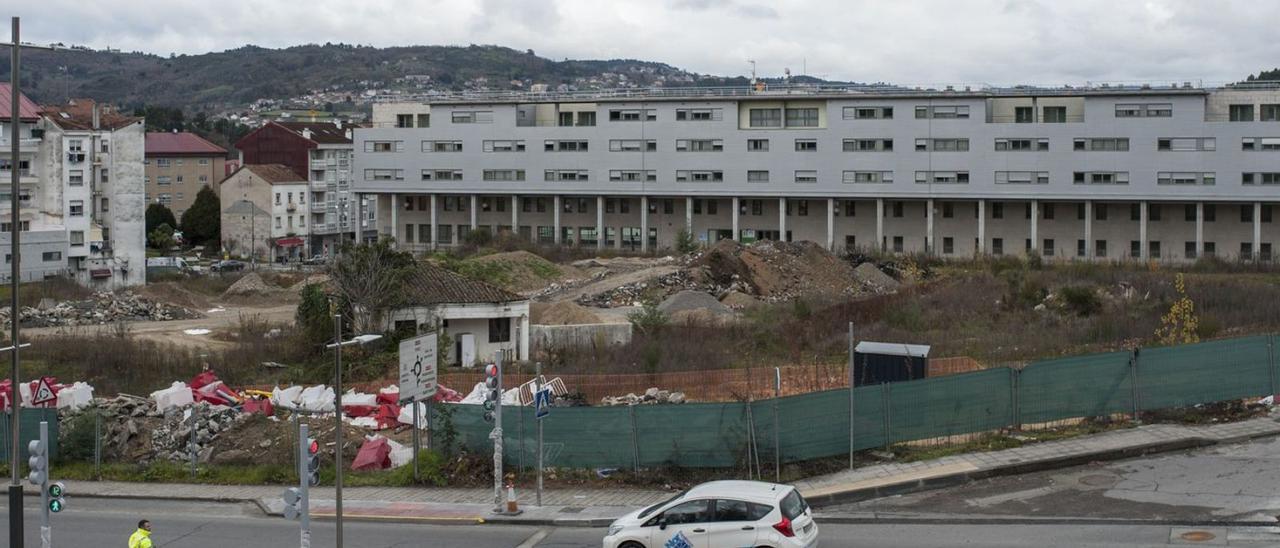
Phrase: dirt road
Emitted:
{"points": [[217, 319]]}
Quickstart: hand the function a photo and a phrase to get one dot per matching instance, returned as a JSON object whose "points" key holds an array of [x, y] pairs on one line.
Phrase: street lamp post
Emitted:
{"points": [[337, 408]]}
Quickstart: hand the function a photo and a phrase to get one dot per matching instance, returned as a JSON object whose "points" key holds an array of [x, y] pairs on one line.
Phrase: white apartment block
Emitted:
{"points": [[1100, 172], [81, 215]]}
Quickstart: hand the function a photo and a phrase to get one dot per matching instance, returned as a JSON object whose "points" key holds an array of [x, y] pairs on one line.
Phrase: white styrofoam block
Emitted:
{"points": [[177, 395]]}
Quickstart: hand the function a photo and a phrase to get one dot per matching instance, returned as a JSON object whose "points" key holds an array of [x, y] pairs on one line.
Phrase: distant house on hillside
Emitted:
{"points": [[480, 319]]}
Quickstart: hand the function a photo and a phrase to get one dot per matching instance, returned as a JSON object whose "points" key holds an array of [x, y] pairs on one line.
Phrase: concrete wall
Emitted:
{"points": [[239, 230], [544, 337]]}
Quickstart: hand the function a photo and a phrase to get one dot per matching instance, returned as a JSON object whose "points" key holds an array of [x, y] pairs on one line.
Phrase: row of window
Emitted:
{"points": [[168, 162], [848, 176], [1048, 248], [960, 144], [164, 180]]}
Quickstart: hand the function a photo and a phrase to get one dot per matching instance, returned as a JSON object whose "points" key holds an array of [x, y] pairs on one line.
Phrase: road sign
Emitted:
{"points": [[418, 368], [44, 393], [542, 402]]}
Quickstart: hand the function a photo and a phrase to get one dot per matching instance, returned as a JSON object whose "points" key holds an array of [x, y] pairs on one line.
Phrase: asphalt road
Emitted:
{"points": [[1236, 482], [102, 522]]}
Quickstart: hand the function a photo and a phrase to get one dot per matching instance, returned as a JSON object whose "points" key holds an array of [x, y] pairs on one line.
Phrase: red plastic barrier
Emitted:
{"points": [[375, 454]]}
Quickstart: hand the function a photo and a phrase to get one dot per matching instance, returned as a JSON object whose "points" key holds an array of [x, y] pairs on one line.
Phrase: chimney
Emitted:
{"points": [[348, 134], [96, 118], [337, 122], [306, 133]]}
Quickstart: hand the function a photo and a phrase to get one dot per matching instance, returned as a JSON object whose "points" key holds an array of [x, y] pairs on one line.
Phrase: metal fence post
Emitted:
{"points": [[635, 441], [851, 395], [97, 444], [777, 446], [888, 421], [1015, 386], [1271, 363], [1133, 375]]}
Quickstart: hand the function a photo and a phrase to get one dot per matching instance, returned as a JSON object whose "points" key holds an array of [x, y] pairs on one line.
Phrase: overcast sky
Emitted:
{"points": [[904, 42]]}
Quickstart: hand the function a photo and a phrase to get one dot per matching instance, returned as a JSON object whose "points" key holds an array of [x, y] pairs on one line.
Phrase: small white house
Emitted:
{"points": [[480, 319]]}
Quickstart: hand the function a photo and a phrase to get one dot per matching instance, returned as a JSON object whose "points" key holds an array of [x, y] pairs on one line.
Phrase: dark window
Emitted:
{"points": [[793, 505], [733, 510], [694, 511]]}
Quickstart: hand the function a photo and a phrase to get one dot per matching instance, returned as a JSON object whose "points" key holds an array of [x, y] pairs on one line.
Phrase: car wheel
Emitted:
{"points": [[631, 544]]}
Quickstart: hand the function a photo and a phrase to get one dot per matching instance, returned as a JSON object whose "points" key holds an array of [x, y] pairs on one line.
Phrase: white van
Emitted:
{"points": [[720, 513]]}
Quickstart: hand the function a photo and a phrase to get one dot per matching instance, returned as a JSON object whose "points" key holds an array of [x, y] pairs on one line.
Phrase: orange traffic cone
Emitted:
{"points": [[512, 506]]}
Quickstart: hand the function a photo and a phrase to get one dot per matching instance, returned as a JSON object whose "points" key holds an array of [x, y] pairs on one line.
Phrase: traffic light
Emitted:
{"points": [[493, 390], [292, 503], [38, 462], [56, 501], [313, 462]]}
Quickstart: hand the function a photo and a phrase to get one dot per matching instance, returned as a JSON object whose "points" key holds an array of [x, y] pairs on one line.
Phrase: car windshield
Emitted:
{"points": [[645, 513]]}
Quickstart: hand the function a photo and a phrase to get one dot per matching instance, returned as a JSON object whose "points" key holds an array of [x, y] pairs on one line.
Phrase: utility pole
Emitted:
{"points": [[15, 489]]}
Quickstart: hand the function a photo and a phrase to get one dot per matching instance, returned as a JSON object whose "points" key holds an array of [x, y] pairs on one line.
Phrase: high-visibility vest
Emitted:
{"points": [[140, 539]]}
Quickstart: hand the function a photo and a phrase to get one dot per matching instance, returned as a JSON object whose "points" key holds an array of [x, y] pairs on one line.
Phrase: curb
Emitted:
{"points": [[914, 486], [1013, 520]]}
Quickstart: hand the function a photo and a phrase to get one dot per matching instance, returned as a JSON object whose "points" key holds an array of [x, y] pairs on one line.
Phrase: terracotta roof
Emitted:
{"points": [[321, 132], [27, 109], [180, 144], [78, 114], [274, 174], [429, 284]]}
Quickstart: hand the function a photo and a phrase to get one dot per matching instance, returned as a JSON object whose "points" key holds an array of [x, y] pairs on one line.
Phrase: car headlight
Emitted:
{"points": [[613, 530]]}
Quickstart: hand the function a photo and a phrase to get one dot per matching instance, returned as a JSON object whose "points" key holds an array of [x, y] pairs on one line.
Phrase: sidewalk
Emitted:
{"points": [[598, 507], [896, 478]]}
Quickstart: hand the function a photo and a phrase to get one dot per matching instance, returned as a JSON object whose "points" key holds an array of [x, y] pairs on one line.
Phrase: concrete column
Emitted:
{"points": [[1257, 231], [555, 219], [644, 223], [880, 224], [982, 227], [599, 222], [928, 227], [688, 214], [515, 214], [782, 219], [736, 205], [359, 221], [1142, 230], [831, 224], [523, 352], [474, 202], [395, 220], [1199, 229], [433, 222], [1088, 229], [1035, 225]]}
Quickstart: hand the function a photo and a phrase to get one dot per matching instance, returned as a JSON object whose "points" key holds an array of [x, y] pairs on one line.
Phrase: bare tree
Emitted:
{"points": [[368, 278]]}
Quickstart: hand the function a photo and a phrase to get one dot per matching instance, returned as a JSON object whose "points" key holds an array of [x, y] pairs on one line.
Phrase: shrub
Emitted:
{"points": [[1082, 300], [648, 319], [685, 243]]}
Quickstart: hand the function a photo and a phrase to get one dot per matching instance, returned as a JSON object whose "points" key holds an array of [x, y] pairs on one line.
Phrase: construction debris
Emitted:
{"points": [[652, 396], [872, 277], [248, 285], [693, 301], [102, 308]]}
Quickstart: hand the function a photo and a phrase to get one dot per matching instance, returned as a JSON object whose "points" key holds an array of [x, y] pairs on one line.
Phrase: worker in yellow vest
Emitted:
{"points": [[142, 537]]}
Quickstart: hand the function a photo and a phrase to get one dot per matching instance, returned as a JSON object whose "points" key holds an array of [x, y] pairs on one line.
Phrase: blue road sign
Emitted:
{"points": [[542, 402]]}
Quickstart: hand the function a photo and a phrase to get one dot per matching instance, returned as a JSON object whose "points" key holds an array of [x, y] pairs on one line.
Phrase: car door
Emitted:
{"points": [[685, 526], [732, 525]]}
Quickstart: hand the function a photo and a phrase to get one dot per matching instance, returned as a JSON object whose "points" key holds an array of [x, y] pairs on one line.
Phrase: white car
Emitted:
{"points": [[720, 514]]}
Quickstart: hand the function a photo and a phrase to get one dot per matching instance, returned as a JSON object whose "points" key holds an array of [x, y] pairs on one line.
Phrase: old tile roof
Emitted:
{"points": [[273, 173], [429, 284], [77, 114], [324, 133], [27, 109], [180, 144]]}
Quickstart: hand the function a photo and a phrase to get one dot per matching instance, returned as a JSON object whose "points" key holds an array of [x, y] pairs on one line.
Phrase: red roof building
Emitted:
{"points": [[28, 110], [178, 165]]}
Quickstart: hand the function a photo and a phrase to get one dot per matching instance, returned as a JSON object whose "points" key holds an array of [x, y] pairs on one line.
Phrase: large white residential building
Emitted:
{"points": [[1169, 172], [82, 193]]}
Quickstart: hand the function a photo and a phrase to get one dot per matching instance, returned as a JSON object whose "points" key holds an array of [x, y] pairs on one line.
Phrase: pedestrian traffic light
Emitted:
{"points": [[313, 462], [38, 462], [56, 500], [493, 390], [292, 503]]}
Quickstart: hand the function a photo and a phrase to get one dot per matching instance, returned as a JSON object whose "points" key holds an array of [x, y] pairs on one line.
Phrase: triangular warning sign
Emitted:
{"points": [[44, 393]]}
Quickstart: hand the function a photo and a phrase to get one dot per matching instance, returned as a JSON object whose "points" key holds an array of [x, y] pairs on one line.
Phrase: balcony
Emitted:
{"points": [[291, 207], [24, 145], [322, 164]]}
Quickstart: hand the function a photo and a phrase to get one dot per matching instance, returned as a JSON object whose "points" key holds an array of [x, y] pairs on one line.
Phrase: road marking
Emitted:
{"points": [[534, 539], [993, 500]]}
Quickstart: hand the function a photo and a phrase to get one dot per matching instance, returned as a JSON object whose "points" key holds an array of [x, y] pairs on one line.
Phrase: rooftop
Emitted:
{"points": [[323, 133], [274, 174], [828, 91], [28, 110], [180, 144], [77, 114], [429, 284]]}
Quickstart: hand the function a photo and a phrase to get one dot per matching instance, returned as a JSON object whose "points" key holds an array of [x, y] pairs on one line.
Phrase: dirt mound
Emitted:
{"points": [[868, 274], [738, 300], [775, 271], [248, 285], [701, 317], [175, 294], [520, 271], [561, 313], [312, 279], [687, 301]]}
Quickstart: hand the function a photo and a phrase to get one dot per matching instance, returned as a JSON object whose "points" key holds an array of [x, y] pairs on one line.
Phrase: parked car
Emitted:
{"points": [[230, 265], [318, 259], [721, 513]]}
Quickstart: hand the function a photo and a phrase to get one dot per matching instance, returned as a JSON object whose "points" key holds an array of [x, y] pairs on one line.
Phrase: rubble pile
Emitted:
{"points": [[652, 396], [102, 308], [775, 271], [248, 285], [633, 293], [170, 438]]}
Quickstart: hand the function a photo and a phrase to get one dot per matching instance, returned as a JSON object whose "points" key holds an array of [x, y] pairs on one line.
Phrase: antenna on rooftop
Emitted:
{"points": [[753, 71]]}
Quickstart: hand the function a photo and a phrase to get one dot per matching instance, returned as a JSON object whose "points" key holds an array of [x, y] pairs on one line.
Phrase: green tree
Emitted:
{"points": [[161, 238], [685, 243], [313, 315], [157, 214], [202, 222]]}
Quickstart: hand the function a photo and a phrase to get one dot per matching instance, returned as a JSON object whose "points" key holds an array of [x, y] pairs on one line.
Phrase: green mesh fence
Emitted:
{"points": [[1175, 376], [1080, 386], [29, 429], [955, 404], [817, 425]]}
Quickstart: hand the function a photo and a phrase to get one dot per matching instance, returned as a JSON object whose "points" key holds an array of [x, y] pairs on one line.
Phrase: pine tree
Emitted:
{"points": [[157, 214]]}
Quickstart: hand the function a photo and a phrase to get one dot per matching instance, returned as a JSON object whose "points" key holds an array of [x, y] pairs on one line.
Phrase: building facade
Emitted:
{"points": [[81, 193], [265, 213], [178, 165], [321, 153], [1168, 173]]}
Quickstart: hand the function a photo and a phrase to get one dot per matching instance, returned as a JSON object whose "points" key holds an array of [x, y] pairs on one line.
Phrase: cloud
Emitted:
{"points": [[908, 42]]}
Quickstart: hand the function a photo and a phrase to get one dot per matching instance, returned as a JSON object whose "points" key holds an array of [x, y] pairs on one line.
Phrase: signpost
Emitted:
{"points": [[44, 393], [418, 375], [542, 408]]}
